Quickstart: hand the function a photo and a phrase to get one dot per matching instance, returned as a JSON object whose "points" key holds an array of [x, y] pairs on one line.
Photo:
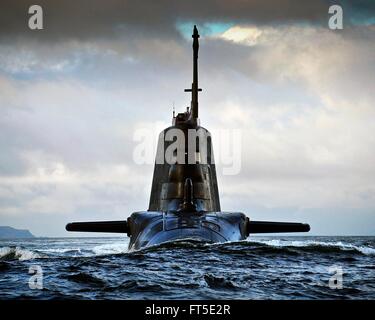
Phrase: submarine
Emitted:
{"points": [[184, 201]]}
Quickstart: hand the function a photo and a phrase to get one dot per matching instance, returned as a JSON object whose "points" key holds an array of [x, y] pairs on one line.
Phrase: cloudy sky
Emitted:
{"points": [[73, 94]]}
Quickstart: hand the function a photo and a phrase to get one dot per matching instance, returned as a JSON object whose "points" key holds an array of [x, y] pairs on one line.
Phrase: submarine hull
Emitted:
{"points": [[153, 228]]}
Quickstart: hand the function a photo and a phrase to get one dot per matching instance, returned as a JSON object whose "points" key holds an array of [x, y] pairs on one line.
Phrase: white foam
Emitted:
{"points": [[61, 250], [111, 248], [18, 253], [307, 243]]}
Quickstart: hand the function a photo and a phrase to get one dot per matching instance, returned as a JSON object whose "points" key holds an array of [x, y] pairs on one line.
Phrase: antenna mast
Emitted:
{"points": [[194, 86]]}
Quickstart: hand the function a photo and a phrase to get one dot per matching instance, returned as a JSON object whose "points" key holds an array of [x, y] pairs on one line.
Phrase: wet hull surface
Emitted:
{"points": [[214, 227]]}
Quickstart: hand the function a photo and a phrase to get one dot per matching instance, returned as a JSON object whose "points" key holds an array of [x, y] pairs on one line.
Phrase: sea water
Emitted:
{"points": [[259, 268]]}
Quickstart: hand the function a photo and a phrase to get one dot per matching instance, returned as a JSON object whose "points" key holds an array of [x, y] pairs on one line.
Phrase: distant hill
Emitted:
{"points": [[9, 233]]}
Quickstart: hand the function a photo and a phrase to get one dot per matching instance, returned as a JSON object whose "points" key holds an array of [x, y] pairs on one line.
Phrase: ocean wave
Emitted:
{"points": [[4, 266], [136, 285], [17, 253], [267, 246], [218, 282], [319, 246], [250, 246], [188, 243], [111, 248], [62, 250], [86, 278], [76, 252], [258, 268]]}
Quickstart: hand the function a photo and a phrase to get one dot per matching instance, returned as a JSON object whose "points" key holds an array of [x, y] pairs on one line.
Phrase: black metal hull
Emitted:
{"points": [[153, 228]]}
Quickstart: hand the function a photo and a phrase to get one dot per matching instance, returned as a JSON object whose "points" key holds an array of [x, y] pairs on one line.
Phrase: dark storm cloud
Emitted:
{"points": [[72, 94], [85, 19]]}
